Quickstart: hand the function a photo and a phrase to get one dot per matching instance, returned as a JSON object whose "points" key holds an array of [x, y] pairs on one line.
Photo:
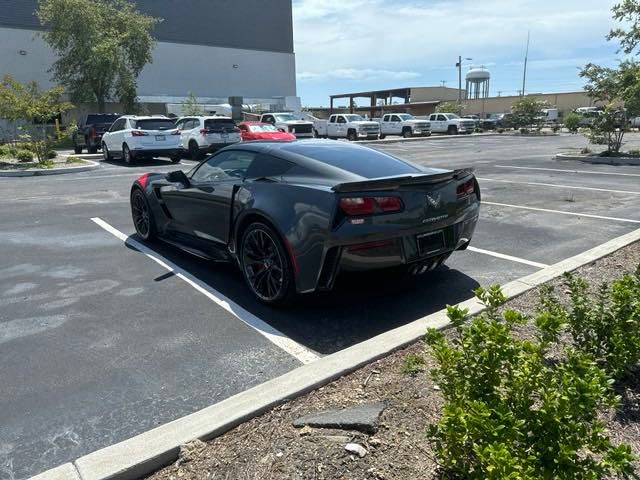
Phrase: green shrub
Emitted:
{"points": [[572, 122], [606, 325], [501, 130], [634, 153], [510, 412], [51, 154], [4, 151], [413, 364], [24, 156]]}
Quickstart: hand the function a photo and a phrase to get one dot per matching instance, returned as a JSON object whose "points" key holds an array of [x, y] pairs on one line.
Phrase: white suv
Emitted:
{"points": [[131, 137], [201, 135]]}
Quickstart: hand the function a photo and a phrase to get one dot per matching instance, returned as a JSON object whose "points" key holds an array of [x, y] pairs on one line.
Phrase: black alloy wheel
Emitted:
{"points": [[352, 136], [141, 215], [407, 133], [265, 265]]}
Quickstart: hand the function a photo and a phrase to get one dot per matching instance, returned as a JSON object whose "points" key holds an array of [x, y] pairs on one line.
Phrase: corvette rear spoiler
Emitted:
{"points": [[393, 183]]}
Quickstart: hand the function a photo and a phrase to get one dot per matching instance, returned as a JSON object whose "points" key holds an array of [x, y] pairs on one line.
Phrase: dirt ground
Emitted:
{"points": [[269, 447]]}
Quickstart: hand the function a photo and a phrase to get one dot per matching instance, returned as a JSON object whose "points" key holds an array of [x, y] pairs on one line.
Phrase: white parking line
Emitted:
{"points": [[569, 171], [559, 186], [507, 257], [276, 337], [586, 215]]}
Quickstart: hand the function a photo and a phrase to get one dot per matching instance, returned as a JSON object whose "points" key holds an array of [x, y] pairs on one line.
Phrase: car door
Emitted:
{"points": [[341, 126], [396, 125], [115, 137], [202, 209]]}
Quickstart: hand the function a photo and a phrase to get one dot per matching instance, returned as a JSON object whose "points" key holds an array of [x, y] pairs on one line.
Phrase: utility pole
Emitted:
{"points": [[459, 65], [524, 73], [443, 82]]}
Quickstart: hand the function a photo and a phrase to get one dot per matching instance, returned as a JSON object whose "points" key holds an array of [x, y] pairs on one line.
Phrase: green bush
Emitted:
{"points": [[51, 154], [510, 412], [413, 364], [4, 151], [572, 122], [24, 156], [606, 325]]}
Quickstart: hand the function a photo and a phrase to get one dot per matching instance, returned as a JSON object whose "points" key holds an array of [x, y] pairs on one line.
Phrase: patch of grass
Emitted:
{"points": [[74, 160], [45, 164], [413, 364]]}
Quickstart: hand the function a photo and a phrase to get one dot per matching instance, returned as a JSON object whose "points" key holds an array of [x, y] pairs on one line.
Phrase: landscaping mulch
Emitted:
{"points": [[269, 447], [58, 162]]}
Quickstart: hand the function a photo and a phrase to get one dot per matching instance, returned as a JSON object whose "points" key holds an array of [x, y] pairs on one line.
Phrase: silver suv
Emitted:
{"points": [[202, 135]]}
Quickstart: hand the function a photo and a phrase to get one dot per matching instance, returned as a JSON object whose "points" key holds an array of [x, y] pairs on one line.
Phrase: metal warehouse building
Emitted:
{"points": [[212, 48]]}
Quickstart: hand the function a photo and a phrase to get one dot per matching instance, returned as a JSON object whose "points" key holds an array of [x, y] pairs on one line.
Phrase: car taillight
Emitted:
{"points": [[466, 188], [355, 206], [142, 181], [139, 133]]}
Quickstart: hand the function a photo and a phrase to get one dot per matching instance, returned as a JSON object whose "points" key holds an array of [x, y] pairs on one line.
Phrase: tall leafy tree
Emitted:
{"points": [[101, 45]]}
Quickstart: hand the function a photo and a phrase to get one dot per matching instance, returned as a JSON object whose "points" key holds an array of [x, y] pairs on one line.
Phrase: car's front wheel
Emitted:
{"points": [[142, 216], [77, 149], [265, 264]]}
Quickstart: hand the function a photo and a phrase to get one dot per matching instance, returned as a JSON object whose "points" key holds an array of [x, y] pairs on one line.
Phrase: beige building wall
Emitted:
{"points": [[429, 94], [565, 102]]}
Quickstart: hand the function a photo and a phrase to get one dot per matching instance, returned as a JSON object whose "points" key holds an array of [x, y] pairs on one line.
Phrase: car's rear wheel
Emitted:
{"points": [[77, 149], [194, 151], [127, 156], [142, 216], [265, 264], [105, 152]]}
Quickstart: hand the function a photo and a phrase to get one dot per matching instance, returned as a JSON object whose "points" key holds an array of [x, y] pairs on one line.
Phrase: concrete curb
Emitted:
{"points": [[149, 451], [63, 472], [596, 159], [53, 171]]}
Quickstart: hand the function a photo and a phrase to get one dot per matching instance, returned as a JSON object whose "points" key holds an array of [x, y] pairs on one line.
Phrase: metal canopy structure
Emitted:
{"points": [[374, 96]]}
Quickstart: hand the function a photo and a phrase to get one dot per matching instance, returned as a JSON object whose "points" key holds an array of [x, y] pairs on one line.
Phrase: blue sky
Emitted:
{"points": [[353, 45]]}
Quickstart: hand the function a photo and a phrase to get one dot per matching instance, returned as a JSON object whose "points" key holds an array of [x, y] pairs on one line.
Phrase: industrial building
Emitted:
{"points": [[212, 48], [420, 101]]}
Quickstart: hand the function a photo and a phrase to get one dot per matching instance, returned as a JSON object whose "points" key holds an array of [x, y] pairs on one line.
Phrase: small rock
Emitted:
{"points": [[279, 454], [306, 430], [356, 448], [375, 372], [189, 451], [375, 442], [436, 387]]}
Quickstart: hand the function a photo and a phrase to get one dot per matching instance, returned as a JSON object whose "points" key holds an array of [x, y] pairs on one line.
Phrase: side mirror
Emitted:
{"points": [[281, 130], [178, 176]]}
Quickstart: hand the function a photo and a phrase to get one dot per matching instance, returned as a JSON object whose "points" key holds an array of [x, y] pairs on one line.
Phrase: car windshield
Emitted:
{"points": [[451, 116], [262, 128], [353, 118], [154, 124], [406, 116], [285, 117], [366, 162]]}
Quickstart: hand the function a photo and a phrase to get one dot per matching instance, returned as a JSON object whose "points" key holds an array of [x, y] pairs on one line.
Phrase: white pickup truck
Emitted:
{"points": [[350, 126], [288, 122], [451, 123], [403, 124]]}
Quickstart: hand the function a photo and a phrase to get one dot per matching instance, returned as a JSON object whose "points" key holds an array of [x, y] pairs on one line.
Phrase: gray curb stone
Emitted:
{"points": [[53, 171], [151, 450], [595, 159]]}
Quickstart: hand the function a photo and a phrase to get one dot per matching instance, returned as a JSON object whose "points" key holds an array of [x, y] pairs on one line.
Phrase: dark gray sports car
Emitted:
{"points": [[292, 215]]}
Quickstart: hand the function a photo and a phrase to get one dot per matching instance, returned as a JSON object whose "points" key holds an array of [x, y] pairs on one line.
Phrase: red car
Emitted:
{"points": [[262, 131]]}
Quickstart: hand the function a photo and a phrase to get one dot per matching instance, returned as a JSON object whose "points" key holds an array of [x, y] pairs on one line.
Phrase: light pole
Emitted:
{"points": [[459, 65]]}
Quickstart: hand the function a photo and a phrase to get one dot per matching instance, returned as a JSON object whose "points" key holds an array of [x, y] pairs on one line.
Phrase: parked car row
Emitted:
{"points": [[132, 137]]}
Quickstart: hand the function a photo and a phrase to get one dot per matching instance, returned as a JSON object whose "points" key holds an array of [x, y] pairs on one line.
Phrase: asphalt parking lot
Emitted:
{"points": [[101, 341]]}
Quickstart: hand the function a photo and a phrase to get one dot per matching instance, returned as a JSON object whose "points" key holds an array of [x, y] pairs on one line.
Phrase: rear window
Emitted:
{"points": [[154, 124], [219, 124], [362, 161], [92, 119]]}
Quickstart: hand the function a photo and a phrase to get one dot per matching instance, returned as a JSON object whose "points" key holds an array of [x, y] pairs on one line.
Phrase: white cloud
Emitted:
{"points": [[420, 35], [357, 74]]}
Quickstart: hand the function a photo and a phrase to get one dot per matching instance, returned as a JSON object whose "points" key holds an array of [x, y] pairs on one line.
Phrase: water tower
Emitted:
{"points": [[478, 83]]}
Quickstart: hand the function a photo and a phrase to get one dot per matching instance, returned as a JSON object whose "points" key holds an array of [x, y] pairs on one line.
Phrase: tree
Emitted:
{"points": [[613, 85], [527, 111], [572, 121], [101, 45], [449, 107], [12, 102], [190, 106]]}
